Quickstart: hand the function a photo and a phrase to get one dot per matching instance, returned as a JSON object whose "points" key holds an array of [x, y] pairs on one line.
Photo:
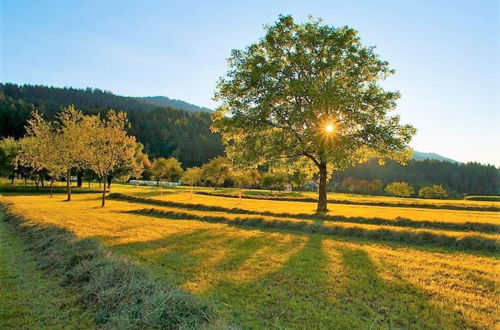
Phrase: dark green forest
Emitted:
{"points": [[470, 178], [165, 131], [168, 131]]}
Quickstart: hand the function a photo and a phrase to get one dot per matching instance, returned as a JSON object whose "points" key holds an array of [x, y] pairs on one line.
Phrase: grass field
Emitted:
{"points": [[270, 277], [30, 299]]}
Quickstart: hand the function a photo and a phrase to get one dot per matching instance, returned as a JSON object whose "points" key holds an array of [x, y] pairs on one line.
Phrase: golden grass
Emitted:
{"points": [[265, 278], [334, 209]]}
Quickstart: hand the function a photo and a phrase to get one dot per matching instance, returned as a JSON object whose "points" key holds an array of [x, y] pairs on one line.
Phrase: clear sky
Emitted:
{"points": [[446, 54]]}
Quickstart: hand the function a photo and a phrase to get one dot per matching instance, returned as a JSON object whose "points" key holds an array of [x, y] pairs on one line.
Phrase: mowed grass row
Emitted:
{"points": [[241, 208], [117, 293], [343, 210], [466, 242], [29, 298], [362, 200], [265, 278]]}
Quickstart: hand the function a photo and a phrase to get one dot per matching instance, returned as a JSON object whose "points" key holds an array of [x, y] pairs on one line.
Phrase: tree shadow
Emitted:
{"points": [[306, 292], [197, 260]]}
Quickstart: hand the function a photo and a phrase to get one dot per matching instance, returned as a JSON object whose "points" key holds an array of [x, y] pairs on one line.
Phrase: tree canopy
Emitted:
{"points": [[308, 91]]}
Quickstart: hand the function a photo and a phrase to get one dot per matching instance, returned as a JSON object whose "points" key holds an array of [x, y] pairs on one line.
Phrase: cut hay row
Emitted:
{"points": [[121, 295], [360, 202], [464, 243], [399, 222]]}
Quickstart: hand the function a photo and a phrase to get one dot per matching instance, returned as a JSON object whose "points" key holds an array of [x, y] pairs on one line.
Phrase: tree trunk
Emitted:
{"points": [[42, 180], [12, 179], [322, 199], [79, 179], [109, 182], [89, 183], [104, 191], [51, 186], [68, 184]]}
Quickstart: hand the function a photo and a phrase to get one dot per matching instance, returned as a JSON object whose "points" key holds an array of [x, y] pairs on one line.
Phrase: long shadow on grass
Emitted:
{"points": [[399, 222], [195, 260], [306, 292], [468, 244]]}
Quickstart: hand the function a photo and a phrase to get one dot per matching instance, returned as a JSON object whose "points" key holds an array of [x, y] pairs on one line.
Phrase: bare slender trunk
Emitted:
{"points": [[79, 178], [68, 184], [42, 180], [104, 190], [322, 199], [51, 186]]}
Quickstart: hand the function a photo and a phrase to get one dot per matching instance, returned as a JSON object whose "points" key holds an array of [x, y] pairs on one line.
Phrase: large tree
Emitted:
{"points": [[308, 91]]}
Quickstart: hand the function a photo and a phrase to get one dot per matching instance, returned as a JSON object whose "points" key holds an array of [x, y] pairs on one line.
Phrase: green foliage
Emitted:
{"points": [[122, 295], [400, 189], [361, 186], [300, 178], [484, 198], [216, 171], [281, 93], [435, 191], [169, 169], [275, 180], [192, 176], [9, 148], [164, 131]]}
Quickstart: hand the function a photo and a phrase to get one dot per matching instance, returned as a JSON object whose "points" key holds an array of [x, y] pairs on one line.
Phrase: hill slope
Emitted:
{"points": [[165, 101], [417, 155], [164, 130]]}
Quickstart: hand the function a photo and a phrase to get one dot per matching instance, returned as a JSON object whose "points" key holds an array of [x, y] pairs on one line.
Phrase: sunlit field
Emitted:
{"points": [[270, 277]]}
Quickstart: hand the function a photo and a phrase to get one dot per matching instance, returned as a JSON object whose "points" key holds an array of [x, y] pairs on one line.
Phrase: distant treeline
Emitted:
{"points": [[470, 178], [164, 131]]}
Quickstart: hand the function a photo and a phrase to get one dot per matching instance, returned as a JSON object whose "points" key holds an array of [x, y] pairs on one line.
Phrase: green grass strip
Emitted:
{"points": [[121, 295]]}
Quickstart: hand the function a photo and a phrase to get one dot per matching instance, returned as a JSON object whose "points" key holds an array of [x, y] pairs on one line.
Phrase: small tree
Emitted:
{"points": [[9, 149], [216, 171], [435, 191], [374, 186], [74, 131], [275, 180], [400, 189], [110, 146], [192, 176], [169, 169], [300, 178], [132, 167]]}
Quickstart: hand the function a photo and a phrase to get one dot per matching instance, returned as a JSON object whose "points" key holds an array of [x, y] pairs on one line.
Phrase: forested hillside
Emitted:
{"points": [[168, 102], [470, 178], [164, 131]]}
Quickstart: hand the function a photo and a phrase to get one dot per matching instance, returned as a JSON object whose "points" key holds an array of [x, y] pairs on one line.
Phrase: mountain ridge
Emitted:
{"points": [[176, 103]]}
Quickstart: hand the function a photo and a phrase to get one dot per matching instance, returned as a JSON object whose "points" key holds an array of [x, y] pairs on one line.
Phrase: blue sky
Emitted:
{"points": [[446, 54]]}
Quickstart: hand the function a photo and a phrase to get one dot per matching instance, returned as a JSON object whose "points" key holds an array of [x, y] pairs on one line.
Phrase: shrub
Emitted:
{"points": [[435, 191], [400, 189]]}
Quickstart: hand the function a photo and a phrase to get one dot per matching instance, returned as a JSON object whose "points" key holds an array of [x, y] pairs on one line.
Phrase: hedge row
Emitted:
{"points": [[399, 222], [122, 295], [483, 198], [466, 243], [353, 202]]}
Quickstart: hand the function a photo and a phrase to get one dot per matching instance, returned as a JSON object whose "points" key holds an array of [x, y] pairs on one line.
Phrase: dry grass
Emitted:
{"points": [[264, 278]]}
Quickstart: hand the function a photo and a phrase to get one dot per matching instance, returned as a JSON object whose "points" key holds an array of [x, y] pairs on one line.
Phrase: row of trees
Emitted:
{"points": [[74, 141], [403, 189], [220, 170], [164, 131]]}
